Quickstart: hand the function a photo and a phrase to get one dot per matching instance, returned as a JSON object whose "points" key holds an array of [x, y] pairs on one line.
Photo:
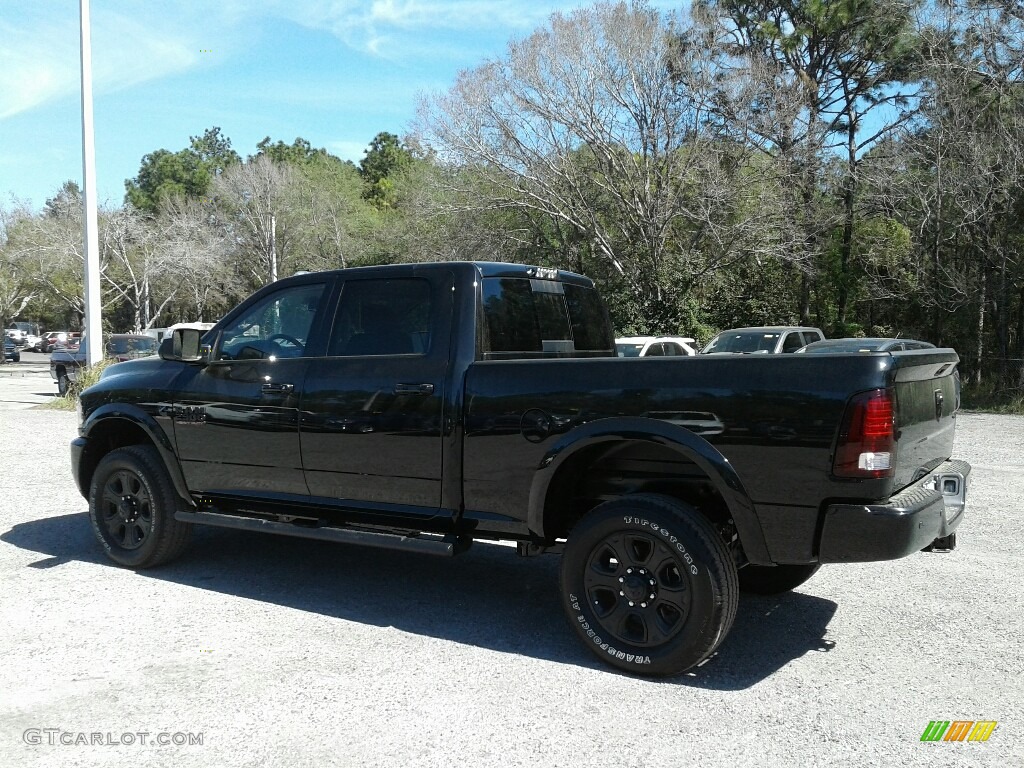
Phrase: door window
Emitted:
{"points": [[278, 326]]}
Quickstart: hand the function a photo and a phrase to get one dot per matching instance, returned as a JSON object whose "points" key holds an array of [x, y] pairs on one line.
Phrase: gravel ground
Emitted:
{"points": [[282, 652]]}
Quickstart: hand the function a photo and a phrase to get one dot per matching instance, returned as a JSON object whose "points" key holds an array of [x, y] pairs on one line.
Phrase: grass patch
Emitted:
{"points": [[86, 378], [989, 399]]}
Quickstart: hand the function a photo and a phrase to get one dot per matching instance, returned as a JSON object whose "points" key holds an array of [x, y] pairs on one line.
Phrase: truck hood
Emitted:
{"points": [[142, 365]]}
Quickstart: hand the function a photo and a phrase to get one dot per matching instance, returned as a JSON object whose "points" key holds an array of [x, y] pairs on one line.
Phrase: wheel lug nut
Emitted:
{"points": [[652, 582], [652, 596], [629, 570], [621, 579], [621, 593], [643, 605], [630, 603]]}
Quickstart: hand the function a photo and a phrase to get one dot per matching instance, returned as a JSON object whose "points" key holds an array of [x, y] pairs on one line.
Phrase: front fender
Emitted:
{"points": [[117, 424], [689, 445]]}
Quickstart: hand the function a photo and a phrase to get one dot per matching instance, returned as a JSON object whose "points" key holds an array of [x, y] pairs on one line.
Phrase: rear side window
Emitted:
{"points": [[543, 318], [793, 342], [382, 317]]}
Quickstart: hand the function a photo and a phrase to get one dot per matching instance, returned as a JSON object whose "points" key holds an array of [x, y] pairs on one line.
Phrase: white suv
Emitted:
{"points": [[650, 346], [768, 339]]}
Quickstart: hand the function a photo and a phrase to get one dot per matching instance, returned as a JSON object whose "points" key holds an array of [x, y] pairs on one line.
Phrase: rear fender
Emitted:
{"points": [[679, 439]]}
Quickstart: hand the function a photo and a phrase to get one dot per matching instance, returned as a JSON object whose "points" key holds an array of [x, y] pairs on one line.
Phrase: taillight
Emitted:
{"points": [[867, 437]]}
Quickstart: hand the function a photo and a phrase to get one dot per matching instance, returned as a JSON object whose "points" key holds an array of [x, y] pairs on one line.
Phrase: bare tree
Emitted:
{"points": [[584, 124], [19, 283], [196, 255], [955, 177], [253, 196], [137, 266]]}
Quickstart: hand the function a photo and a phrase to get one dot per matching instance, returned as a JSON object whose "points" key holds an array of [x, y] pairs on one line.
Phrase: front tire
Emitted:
{"points": [[648, 584], [131, 507], [775, 579]]}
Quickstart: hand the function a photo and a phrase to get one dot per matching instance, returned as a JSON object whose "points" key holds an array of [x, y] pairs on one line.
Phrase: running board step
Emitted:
{"points": [[428, 543]]}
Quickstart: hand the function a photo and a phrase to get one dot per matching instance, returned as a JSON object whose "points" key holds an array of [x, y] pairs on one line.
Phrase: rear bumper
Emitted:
{"points": [[929, 509]]}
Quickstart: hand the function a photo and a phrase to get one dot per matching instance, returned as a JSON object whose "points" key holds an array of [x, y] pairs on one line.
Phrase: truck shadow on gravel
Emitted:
{"points": [[488, 597]]}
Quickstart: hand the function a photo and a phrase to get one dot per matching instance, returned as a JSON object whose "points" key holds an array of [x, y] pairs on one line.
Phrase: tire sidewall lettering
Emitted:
{"points": [[673, 540]]}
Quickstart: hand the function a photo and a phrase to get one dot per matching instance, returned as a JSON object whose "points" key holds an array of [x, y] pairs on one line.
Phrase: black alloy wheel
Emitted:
{"points": [[648, 584], [126, 509], [131, 507]]}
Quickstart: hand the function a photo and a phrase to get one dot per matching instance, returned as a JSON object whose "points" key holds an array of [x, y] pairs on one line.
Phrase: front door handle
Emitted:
{"points": [[277, 389], [414, 389]]}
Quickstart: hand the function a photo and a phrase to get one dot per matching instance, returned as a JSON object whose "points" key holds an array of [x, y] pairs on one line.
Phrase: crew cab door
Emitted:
{"points": [[236, 419], [373, 408]]}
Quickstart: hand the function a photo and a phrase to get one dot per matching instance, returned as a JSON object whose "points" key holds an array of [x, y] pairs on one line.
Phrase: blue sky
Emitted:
{"points": [[335, 72]]}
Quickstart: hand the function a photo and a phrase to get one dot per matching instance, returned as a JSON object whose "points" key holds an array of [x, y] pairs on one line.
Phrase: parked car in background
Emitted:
{"points": [[162, 333], [53, 339], [655, 346], [864, 345], [16, 336], [23, 333], [11, 352], [156, 333], [67, 362], [768, 339]]}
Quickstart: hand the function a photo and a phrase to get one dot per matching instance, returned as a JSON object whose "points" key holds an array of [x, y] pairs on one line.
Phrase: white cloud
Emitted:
{"points": [[348, 150], [40, 58], [398, 28], [32, 66]]}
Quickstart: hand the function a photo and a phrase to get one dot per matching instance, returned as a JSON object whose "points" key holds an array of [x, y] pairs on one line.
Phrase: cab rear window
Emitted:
{"points": [[530, 318]]}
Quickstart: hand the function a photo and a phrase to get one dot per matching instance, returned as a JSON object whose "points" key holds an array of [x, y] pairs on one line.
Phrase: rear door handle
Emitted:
{"points": [[414, 389], [277, 388]]}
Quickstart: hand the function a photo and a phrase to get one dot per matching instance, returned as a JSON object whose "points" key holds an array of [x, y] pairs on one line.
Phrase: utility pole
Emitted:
{"points": [[273, 248], [93, 328]]}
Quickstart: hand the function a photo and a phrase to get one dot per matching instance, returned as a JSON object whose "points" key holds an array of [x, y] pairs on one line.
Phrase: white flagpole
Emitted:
{"points": [[93, 328]]}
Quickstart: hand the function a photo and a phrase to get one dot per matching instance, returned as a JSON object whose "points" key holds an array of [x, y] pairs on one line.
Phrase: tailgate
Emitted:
{"points": [[927, 397]]}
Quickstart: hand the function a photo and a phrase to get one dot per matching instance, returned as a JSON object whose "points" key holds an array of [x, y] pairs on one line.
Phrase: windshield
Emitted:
{"points": [[628, 350], [131, 346], [743, 341]]}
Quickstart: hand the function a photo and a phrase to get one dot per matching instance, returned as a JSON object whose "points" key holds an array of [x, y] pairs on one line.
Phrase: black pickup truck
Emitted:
{"points": [[423, 407]]}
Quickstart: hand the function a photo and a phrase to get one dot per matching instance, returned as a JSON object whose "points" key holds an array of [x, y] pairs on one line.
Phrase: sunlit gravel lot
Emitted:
{"points": [[267, 651]]}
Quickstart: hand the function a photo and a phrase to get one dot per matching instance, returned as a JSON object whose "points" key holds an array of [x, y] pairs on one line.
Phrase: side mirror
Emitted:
{"points": [[183, 345]]}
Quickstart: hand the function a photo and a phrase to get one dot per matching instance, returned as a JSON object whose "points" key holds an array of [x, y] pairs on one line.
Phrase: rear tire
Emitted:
{"points": [[648, 584], [775, 579], [131, 507], [63, 385]]}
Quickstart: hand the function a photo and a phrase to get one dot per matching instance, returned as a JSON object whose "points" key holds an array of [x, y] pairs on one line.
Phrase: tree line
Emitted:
{"points": [[853, 164]]}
